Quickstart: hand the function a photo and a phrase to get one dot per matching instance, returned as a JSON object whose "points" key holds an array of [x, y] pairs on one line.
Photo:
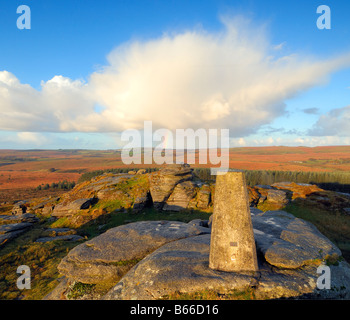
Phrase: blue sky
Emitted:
{"points": [[69, 81]]}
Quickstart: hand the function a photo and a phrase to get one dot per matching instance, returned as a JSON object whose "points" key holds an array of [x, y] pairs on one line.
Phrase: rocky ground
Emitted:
{"points": [[167, 259], [12, 226], [161, 259]]}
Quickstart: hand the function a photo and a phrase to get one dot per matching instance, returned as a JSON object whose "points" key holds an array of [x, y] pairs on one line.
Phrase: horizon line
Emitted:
{"points": [[196, 149]]}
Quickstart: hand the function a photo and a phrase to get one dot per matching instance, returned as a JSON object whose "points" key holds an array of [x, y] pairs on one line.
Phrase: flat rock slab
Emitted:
{"points": [[181, 267], [109, 256], [11, 226], [177, 267], [27, 217], [67, 237], [70, 208], [7, 228], [277, 196], [290, 242], [302, 283], [4, 238], [107, 181]]}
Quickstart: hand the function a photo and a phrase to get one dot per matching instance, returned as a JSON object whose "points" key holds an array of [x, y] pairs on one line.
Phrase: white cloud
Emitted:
{"points": [[242, 142], [23, 139], [318, 141], [334, 123], [57, 107], [194, 79], [306, 141], [280, 46], [31, 137]]}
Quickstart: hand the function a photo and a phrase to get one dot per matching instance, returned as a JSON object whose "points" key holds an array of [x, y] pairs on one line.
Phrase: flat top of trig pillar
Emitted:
{"points": [[220, 171]]}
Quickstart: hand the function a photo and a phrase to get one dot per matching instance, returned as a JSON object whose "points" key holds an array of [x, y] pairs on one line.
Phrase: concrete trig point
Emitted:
{"points": [[232, 246]]}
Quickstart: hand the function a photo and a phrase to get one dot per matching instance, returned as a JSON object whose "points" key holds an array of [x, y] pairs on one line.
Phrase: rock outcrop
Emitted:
{"points": [[165, 259], [109, 256], [204, 197], [181, 196], [73, 207], [268, 196], [291, 250], [278, 195], [288, 242], [19, 208], [103, 194], [174, 188], [181, 267], [164, 181], [298, 190]]}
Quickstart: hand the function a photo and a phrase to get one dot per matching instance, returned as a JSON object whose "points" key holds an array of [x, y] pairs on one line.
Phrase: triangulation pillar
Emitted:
{"points": [[232, 246]]}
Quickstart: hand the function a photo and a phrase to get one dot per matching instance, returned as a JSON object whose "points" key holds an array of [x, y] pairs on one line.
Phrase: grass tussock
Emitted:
{"points": [[41, 258]]}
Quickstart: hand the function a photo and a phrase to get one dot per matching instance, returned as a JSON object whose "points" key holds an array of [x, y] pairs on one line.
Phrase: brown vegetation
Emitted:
{"points": [[26, 169]]}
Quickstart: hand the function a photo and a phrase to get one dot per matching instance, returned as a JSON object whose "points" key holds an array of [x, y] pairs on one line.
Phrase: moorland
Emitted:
{"points": [[30, 173]]}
